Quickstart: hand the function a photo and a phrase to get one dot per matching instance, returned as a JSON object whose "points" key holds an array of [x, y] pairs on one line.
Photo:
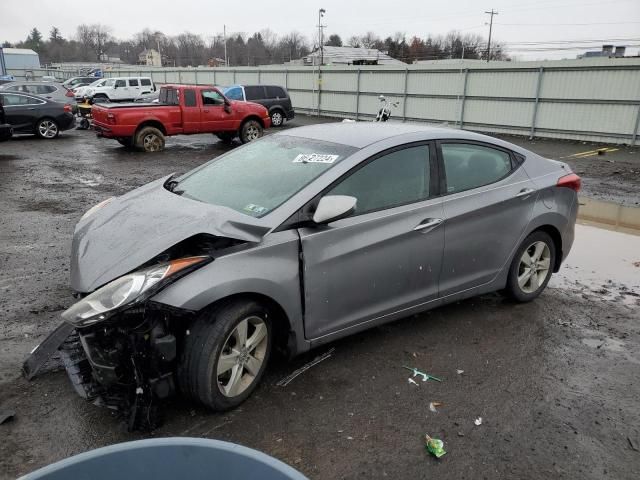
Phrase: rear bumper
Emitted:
{"points": [[111, 131], [66, 121]]}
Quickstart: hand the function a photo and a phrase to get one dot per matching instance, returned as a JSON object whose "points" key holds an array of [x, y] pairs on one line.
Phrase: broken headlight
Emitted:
{"points": [[127, 290]]}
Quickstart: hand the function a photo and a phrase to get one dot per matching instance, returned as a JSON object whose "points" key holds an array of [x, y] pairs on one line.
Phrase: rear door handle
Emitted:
{"points": [[206, 110], [525, 192], [428, 223]]}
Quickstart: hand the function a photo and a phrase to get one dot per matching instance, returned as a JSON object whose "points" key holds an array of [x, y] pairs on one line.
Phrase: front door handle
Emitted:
{"points": [[525, 192], [428, 223], [206, 110]]}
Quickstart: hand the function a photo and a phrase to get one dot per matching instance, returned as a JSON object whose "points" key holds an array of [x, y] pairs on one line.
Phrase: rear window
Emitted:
{"points": [[276, 92], [190, 98], [168, 96], [133, 82], [254, 92], [145, 81]]}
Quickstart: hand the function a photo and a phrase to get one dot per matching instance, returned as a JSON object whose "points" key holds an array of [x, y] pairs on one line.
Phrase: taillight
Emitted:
{"points": [[111, 118], [67, 108], [69, 93], [571, 181]]}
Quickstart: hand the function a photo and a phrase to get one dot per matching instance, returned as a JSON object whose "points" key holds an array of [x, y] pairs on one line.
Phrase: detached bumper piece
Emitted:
{"points": [[127, 366]]}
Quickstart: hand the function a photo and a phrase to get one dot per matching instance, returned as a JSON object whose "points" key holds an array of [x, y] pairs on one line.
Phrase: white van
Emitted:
{"points": [[119, 89]]}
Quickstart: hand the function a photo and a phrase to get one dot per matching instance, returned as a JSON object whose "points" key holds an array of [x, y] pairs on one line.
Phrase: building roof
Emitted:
{"points": [[351, 54], [18, 51]]}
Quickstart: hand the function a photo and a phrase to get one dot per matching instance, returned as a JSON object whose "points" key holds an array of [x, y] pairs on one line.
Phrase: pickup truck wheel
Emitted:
{"points": [[225, 353], [226, 137], [251, 130], [277, 118], [150, 139]]}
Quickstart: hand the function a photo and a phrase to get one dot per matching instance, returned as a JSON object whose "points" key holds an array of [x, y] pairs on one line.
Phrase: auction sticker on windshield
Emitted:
{"points": [[315, 158]]}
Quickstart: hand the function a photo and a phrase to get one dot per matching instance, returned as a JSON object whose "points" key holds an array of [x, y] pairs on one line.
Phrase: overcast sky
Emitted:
{"points": [[518, 20]]}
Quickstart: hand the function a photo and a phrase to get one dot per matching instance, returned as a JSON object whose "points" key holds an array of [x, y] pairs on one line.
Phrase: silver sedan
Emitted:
{"points": [[293, 241]]}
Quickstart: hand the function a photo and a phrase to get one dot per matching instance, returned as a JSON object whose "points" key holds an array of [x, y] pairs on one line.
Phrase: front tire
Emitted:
{"points": [[251, 130], [47, 128], [150, 139], [531, 267], [225, 354]]}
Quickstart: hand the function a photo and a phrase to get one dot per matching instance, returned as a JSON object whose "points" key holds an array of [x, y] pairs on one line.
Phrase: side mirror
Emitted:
{"points": [[334, 207], [382, 98], [115, 85], [227, 106]]}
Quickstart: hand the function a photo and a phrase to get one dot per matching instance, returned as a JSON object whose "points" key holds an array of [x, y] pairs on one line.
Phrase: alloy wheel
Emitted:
{"points": [[242, 356], [252, 133], [534, 267], [48, 129], [276, 119], [152, 143]]}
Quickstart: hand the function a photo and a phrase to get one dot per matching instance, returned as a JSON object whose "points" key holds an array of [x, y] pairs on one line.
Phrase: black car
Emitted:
{"points": [[6, 131], [33, 114], [274, 97]]}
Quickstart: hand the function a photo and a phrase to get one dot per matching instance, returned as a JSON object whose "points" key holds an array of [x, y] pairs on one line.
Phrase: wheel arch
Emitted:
{"points": [[152, 122], [252, 117], [281, 323]]}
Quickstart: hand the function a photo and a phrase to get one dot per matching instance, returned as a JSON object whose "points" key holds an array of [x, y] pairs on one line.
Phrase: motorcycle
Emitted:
{"points": [[384, 113]]}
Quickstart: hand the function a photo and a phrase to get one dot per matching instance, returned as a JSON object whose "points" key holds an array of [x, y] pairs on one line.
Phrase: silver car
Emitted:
{"points": [[49, 90], [190, 283]]}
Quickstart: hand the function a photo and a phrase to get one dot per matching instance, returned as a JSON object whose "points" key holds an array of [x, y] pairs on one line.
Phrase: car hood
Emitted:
{"points": [[134, 228]]}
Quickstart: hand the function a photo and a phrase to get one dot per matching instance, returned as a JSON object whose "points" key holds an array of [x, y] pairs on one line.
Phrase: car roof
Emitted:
{"points": [[361, 134]]}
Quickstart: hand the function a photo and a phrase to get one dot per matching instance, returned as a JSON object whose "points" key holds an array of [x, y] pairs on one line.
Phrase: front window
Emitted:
{"points": [[110, 83], [121, 83], [259, 177], [211, 97]]}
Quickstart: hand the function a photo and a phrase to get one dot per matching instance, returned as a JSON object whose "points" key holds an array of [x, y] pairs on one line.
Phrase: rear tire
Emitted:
{"points": [[220, 366], [47, 128], [277, 118], [250, 130], [531, 267], [150, 139]]}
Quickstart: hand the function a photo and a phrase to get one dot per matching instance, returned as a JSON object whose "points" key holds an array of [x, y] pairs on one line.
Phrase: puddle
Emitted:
{"points": [[604, 264], [609, 215]]}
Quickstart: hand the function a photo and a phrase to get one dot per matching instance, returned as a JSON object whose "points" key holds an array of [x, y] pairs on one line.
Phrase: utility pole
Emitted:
{"points": [[321, 13], [224, 36], [492, 13]]}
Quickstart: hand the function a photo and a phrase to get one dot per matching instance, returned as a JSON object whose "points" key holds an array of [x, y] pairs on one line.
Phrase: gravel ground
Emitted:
{"points": [[555, 381]]}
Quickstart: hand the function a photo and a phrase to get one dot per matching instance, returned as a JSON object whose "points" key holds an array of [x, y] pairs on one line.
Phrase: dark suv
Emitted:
{"points": [[274, 97]]}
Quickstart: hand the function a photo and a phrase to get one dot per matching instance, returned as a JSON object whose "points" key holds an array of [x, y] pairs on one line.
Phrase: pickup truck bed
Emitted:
{"points": [[185, 110]]}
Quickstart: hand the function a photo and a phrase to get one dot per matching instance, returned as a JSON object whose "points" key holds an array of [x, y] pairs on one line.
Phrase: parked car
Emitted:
{"points": [[122, 89], [79, 92], [78, 81], [6, 130], [33, 114], [274, 97], [296, 240], [181, 110], [49, 90]]}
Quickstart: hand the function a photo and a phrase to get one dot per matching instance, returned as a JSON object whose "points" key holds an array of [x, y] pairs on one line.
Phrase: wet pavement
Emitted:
{"points": [[556, 380]]}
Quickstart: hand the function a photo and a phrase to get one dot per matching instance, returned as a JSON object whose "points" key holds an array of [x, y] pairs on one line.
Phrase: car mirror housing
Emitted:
{"points": [[334, 207]]}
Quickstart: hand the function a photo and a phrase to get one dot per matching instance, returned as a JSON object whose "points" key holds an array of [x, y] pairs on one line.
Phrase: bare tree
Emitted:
{"points": [[354, 41]]}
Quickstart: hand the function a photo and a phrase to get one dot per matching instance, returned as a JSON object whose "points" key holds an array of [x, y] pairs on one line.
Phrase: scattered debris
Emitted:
{"points": [[433, 405], [289, 378], [6, 415], [411, 380], [636, 264], [632, 444], [349, 438], [478, 421], [460, 434], [425, 376], [434, 446], [459, 372]]}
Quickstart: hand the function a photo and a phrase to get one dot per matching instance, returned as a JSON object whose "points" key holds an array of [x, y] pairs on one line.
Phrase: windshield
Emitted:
{"points": [[97, 83], [257, 178]]}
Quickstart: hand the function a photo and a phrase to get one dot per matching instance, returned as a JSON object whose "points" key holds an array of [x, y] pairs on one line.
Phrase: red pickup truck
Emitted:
{"points": [[181, 110]]}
